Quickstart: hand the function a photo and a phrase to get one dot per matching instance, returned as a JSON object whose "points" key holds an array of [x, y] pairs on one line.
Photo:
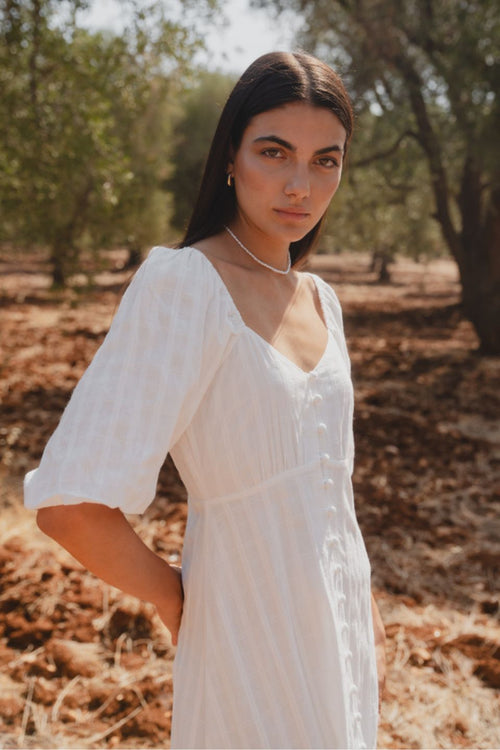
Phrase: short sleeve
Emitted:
{"points": [[144, 385]]}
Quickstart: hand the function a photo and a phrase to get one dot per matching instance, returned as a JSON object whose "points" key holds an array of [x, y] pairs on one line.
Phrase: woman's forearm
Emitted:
{"points": [[103, 541]]}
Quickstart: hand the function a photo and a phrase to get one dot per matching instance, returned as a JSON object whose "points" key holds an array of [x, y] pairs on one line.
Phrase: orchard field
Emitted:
{"points": [[83, 666]]}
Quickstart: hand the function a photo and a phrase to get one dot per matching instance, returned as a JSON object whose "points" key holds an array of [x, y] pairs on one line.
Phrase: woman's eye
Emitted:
{"points": [[273, 153], [328, 161]]}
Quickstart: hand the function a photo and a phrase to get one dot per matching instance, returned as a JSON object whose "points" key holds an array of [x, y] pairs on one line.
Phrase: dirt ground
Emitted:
{"points": [[82, 666]]}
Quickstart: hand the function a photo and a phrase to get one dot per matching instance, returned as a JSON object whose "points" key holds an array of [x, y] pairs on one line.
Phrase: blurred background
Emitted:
{"points": [[107, 110]]}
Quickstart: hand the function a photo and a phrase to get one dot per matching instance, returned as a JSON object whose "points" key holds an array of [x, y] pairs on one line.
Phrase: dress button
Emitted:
{"points": [[327, 483], [322, 429], [317, 398], [325, 457], [331, 511], [334, 541]]}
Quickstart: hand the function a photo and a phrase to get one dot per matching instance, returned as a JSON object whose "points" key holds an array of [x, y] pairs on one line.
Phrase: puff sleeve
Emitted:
{"points": [[166, 342]]}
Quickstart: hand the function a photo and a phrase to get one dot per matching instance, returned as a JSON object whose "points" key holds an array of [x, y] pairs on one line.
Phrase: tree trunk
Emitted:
{"points": [[476, 246], [479, 267], [63, 252], [481, 301], [58, 267], [134, 258]]}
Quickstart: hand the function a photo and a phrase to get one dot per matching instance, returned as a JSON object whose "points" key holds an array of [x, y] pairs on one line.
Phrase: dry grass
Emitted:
{"points": [[433, 699]]}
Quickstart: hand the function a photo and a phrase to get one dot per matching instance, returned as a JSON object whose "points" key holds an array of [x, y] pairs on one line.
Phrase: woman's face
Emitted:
{"points": [[286, 171]]}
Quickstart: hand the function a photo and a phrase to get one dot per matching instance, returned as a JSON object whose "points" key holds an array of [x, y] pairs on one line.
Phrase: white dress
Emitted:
{"points": [[276, 643]]}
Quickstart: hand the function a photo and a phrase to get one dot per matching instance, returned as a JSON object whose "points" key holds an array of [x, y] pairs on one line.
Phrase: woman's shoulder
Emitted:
{"points": [[171, 267], [185, 278], [326, 291], [162, 259], [329, 301]]}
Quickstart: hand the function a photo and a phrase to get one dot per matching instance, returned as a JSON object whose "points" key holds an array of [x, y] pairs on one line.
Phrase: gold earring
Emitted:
{"points": [[229, 179]]}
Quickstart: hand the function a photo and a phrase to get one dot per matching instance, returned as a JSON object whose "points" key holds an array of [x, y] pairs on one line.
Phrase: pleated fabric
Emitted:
{"points": [[276, 642]]}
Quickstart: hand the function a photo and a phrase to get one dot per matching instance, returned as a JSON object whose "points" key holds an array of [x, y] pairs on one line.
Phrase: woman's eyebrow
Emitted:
{"points": [[275, 139], [291, 147], [327, 149]]}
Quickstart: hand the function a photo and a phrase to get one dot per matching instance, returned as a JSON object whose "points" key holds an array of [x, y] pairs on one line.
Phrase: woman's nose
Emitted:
{"points": [[298, 183]]}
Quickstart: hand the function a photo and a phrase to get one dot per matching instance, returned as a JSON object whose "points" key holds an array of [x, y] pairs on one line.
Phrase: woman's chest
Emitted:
{"points": [[259, 390]]}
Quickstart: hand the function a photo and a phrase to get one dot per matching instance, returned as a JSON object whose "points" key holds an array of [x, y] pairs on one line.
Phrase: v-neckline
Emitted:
{"points": [[260, 338], [286, 359]]}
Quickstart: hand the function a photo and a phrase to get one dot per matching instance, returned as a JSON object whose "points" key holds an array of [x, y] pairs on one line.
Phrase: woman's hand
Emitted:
{"points": [[170, 609], [379, 633]]}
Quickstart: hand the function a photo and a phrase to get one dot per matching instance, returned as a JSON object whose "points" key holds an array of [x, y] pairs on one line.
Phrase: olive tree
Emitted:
{"points": [[438, 63]]}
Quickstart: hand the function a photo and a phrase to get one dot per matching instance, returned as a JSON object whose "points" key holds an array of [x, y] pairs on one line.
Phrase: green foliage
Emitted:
{"points": [[383, 204], [430, 72], [425, 68], [85, 120], [201, 106]]}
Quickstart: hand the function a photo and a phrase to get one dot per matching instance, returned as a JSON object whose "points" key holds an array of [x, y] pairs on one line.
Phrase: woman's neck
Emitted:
{"points": [[260, 248]]}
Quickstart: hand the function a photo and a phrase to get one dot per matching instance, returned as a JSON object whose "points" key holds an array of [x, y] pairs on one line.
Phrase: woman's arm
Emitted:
{"points": [[103, 541], [379, 633]]}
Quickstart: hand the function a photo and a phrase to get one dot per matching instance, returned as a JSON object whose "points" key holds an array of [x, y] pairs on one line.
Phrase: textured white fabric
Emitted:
{"points": [[276, 643]]}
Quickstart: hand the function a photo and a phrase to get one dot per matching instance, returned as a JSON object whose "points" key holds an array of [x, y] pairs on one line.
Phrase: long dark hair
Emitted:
{"points": [[271, 81]]}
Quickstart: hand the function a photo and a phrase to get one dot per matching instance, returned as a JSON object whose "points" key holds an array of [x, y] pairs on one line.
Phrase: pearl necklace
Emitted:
{"points": [[258, 260]]}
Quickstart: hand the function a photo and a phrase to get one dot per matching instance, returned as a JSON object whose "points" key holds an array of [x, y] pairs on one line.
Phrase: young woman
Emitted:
{"points": [[227, 355]]}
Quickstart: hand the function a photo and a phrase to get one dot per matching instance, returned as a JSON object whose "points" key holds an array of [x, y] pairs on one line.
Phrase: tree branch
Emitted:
{"points": [[386, 152], [430, 143], [33, 60]]}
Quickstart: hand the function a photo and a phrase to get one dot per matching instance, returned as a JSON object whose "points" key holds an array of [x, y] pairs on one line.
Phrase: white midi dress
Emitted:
{"points": [[276, 646]]}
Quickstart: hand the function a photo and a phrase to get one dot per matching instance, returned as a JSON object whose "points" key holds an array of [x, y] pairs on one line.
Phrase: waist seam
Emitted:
{"points": [[198, 502]]}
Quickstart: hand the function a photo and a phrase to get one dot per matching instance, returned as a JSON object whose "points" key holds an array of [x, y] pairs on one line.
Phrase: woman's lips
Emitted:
{"points": [[292, 213]]}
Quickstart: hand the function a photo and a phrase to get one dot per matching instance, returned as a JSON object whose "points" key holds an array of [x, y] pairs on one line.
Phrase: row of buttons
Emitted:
{"points": [[325, 460], [322, 432], [328, 483]]}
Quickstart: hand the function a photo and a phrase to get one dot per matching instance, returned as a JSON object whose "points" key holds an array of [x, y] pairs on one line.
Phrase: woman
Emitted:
{"points": [[229, 357]]}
